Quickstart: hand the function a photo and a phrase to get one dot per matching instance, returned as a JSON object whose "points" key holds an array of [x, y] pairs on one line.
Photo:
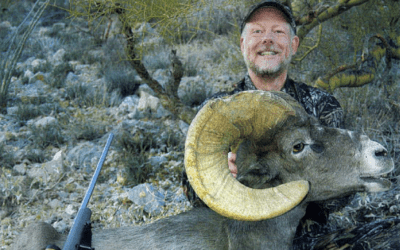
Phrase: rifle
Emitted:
{"points": [[80, 235]]}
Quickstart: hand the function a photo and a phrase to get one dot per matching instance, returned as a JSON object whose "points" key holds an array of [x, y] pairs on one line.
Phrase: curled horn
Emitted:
{"points": [[219, 126]]}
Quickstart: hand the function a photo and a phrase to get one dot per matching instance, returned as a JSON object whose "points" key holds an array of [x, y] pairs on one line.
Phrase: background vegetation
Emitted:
{"points": [[184, 51]]}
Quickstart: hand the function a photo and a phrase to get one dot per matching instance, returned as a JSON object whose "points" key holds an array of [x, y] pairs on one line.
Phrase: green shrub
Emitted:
{"points": [[87, 130], [59, 73], [121, 80], [83, 95], [137, 170], [26, 112], [6, 157], [49, 135], [35, 155], [134, 147]]}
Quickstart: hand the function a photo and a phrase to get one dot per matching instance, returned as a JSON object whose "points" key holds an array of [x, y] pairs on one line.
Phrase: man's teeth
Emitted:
{"points": [[268, 53]]}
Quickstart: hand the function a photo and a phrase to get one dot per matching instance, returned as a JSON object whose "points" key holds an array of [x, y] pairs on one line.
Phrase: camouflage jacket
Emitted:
{"points": [[315, 101]]}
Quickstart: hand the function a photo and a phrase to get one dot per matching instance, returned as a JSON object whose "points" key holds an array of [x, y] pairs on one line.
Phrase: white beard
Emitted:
{"points": [[268, 71]]}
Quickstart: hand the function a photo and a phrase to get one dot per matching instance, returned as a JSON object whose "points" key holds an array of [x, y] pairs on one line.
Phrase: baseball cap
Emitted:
{"points": [[270, 3]]}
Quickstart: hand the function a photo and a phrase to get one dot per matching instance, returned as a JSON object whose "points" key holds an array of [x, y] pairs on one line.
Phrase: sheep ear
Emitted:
{"points": [[218, 125]]}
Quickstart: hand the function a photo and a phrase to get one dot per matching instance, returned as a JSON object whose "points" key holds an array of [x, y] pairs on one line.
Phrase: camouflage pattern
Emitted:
{"points": [[316, 102]]}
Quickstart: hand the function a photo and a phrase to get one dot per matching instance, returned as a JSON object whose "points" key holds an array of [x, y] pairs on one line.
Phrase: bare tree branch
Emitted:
{"points": [[313, 47], [363, 71], [311, 21]]}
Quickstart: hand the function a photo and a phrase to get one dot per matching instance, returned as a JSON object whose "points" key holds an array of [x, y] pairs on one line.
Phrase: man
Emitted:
{"points": [[268, 42]]}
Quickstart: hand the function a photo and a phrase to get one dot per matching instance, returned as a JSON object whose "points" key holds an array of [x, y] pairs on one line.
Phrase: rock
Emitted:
{"points": [[129, 103], [6, 25], [156, 161], [176, 197], [55, 203], [12, 110], [184, 127], [151, 105], [135, 114], [162, 76], [70, 210], [85, 156], [148, 196], [148, 102], [50, 170], [28, 74], [71, 79], [20, 168], [46, 121], [38, 64], [60, 226], [58, 57], [82, 68], [148, 35], [146, 88]]}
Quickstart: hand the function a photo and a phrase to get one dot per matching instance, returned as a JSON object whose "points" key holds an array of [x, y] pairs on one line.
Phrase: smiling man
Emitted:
{"points": [[268, 41]]}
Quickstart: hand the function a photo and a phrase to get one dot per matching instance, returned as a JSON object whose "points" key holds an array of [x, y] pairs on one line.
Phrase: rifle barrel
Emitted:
{"points": [[84, 213], [97, 172]]}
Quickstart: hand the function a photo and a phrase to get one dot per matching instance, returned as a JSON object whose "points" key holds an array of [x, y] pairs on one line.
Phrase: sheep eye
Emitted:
{"points": [[298, 148]]}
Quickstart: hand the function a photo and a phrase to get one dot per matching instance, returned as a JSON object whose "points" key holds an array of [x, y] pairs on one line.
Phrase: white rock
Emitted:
{"points": [[135, 114], [146, 88], [148, 196], [28, 74], [129, 103], [12, 110], [60, 226], [71, 79], [20, 168], [5, 25], [48, 171], [46, 121], [70, 210], [37, 64], [85, 156], [162, 76], [148, 102], [58, 57], [55, 203], [183, 126], [151, 105]]}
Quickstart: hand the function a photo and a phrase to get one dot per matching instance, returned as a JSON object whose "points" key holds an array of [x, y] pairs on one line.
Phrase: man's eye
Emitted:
{"points": [[257, 31]]}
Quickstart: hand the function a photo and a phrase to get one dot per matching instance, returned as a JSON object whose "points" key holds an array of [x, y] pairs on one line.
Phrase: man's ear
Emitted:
{"points": [[295, 44], [242, 44]]}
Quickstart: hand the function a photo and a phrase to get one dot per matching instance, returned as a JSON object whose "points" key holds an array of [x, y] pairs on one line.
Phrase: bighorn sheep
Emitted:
{"points": [[285, 160]]}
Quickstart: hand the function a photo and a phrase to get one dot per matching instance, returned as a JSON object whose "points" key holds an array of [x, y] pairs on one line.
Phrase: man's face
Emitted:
{"points": [[266, 43]]}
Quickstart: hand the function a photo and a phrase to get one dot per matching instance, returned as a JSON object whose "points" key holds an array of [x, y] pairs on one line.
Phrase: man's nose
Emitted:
{"points": [[268, 38]]}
